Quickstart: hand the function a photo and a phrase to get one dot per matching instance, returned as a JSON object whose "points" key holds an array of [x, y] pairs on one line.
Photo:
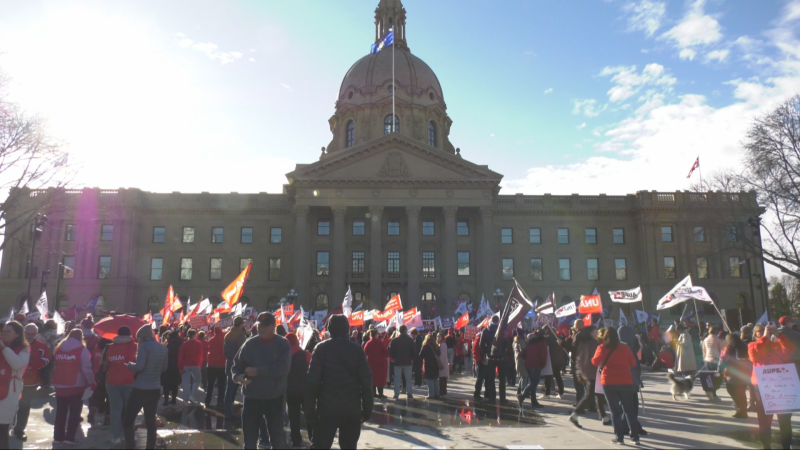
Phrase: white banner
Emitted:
{"points": [[641, 316], [629, 296], [415, 322], [567, 310], [694, 293], [668, 300], [41, 305], [779, 388], [368, 315]]}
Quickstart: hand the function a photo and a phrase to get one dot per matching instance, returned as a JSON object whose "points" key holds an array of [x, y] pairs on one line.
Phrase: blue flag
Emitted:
{"points": [[385, 42], [91, 305]]}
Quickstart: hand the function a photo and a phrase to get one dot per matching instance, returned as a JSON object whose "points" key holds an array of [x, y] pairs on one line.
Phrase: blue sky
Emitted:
{"points": [[575, 97]]}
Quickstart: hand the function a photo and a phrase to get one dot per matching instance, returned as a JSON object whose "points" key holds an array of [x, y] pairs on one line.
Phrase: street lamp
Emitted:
{"points": [[498, 296], [39, 221], [292, 296]]}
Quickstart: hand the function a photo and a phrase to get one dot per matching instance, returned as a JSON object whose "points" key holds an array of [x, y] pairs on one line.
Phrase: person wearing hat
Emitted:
{"points": [[119, 380], [151, 362]]}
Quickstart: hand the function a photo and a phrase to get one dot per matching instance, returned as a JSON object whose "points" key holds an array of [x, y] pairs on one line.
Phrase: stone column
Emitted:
{"points": [[301, 257], [487, 268], [412, 257], [338, 262], [450, 257], [375, 257]]}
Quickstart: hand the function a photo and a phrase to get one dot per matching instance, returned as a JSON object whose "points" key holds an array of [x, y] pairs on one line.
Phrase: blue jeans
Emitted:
{"points": [[118, 396], [622, 398], [433, 387], [230, 391], [530, 389], [191, 382], [406, 372]]}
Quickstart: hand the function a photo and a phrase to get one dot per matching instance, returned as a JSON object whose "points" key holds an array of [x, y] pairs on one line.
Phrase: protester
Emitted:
{"points": [[450, 342], [665, 359], [686, 361], [712, 348], [339, 394], [478, 366], [401, 350], [615, 361], [586, 346], [787, 326], [171, 378], [90, 339], [736, 366], [215, 358], [519, 360], [190, 364], [628, 336], [535, 361], [234, 339], [98, 402], [296, 390], [377, 355], [431, 361], [495, 362], [654, 338], [15, 356], [261, 366], [458, 360], [764, 352], [151, 362], [119, 379], [444, 372], [417, 368], [573, 353], [202, 338], [558, 362], [39, 358], [49, 336], [72, 375]]}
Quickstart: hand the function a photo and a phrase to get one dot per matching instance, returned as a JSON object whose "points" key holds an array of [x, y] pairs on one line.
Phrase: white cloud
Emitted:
{"points": [[252, 60], [548, 91], [628, 82], [587, 106], [718, 55], [695, 30], [791, 12], [581, 126], [645, 15], [596, 133], [687, 53], [209, 49]]}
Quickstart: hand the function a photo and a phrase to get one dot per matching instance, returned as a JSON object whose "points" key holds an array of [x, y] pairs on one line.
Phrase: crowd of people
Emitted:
{"points": [[333, 380]]}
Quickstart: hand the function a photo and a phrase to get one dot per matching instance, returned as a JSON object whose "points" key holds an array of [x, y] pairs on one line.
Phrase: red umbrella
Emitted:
{"points": [[107, 328]]}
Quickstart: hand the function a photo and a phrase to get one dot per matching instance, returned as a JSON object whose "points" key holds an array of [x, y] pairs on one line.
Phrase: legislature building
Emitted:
{"points": [[384, 211]]}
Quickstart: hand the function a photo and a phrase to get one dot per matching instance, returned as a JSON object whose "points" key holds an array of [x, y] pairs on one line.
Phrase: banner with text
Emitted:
{"points": [[629, 296]]}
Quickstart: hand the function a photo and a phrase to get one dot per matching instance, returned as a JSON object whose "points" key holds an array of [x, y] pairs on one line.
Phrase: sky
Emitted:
{"points": [[606, 96]]}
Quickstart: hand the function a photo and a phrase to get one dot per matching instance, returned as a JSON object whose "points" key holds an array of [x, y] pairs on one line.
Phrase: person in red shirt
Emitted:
{"points": [[480, 372], [766, 352], [119, 379], [215, 358], [654, 340], [616, 360], [40, 357], [190, 360]]}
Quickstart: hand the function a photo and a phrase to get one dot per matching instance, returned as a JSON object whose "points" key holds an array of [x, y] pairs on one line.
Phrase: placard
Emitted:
{"points": [[470, 331], [225, 323], [448, 322], [779, 388], [158, 318], [429, 325], [198, 322], [33, 316]]}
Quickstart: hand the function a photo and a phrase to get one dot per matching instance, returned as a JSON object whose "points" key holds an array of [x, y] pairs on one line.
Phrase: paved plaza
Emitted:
{"points": [[697, 423]]}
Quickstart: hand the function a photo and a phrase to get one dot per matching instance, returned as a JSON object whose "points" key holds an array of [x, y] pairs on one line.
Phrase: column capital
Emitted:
{"points": [[339, 211], [486, 212], [413, 211], [450, 211], [301, 210]]}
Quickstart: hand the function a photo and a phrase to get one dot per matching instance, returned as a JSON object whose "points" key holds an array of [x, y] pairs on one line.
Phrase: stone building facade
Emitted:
{"points": [[384, 211]]}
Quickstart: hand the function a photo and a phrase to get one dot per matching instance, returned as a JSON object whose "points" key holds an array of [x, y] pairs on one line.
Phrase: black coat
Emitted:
{"points": [[430, 357], [339, 380], [172, 377], [298, 375], [402, 350]]}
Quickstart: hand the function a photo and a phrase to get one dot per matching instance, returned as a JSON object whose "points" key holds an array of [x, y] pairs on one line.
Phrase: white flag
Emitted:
{"points": [[668, 300], [629, 296], [398, 319], [236, 310], [694, 293], [415, 322], [347, 304], [462, 308], [60, 323], [24, 309], [41, 305], [622, 319], [567, 310], [641, 316]]}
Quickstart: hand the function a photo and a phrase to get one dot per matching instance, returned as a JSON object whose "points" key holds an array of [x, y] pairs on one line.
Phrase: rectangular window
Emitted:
{"points": [[186, 269], [215, 272], [69, 267], [621, 269], [393, 263], [506, 236], [243, 262], [323, 264], [359, 228], [71, 234], [592, 270], [107, 233], [619, 235], [156, 268], [217, 235], [275, 235], [535, 235], [536, 269], [702, 267], [393, 229], [563, 235], [158, 234], [669, 267], [324, 227], [105, 268], [462, 228], [666, 234], [359, 265], [564, 269], [699, 234], [188, 235], [247, 235], [274, 269], [463, 264], [591, 235], [428, 228], [733, 234], [428, 264], [736, 269], [508, 269]]}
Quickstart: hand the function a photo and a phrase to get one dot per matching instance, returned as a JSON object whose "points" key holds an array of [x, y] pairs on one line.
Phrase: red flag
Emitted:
{"points": [[379, 316], [408, 315], [590, 304], [222, 308], [171, 304], [357, 318], [394, 304], [234, 290], [694, 166], [463, 321], [587, 320], [485, 323], [148, 318]]}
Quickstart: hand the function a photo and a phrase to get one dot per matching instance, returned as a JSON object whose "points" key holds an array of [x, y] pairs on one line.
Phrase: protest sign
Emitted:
{"points": [[158, 318], [779, 388], [447, 323], [198, 322], [33, 316], [225, 323], [429, 325], [470, 332]]}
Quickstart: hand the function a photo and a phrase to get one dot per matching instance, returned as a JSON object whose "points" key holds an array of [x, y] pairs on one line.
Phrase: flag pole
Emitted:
{"points": [[394, 88], [701, 172]]}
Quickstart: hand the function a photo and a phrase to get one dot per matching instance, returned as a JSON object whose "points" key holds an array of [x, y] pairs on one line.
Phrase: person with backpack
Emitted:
{"points": [[296, 389]]}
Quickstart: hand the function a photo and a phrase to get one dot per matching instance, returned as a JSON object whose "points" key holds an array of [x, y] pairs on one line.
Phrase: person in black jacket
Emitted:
{"points": [[402, 350], [417, 369], [339, 390], [296, 389], [495, 361]]}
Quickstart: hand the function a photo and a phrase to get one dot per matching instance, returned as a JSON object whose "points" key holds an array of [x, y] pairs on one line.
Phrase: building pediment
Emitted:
{"points": [[394, 159]]}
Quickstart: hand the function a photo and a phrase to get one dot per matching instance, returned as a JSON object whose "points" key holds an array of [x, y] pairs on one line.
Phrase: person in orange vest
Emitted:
{"points": [[40, 357], [190, 360], [14, 359], [119, 379], [72, 375]]}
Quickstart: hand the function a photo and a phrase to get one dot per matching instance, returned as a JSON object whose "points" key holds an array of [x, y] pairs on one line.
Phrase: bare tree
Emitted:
{"points": [[30, 159]]}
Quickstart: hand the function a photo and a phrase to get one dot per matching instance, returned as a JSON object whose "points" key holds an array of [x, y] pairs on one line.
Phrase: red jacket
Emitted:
{"points": [[476, 349], [536, 355], [655, 335], [764, 352], [216, 349], [97, 359], [617, 371], [190, 354], [119, 353], [40, 357], [204, 343]]}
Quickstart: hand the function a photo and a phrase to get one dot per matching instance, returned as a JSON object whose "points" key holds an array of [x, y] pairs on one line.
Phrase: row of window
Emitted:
{"points": [[565, 269], [187, 234], [668, 235], [350, 133], [562, 235], [734, 267]]}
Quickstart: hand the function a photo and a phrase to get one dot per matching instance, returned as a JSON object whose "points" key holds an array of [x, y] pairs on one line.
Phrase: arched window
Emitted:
{"points": [[322, 302], [350, 138], [273, 304], [429, 297], [432, 134], [387, 124]]}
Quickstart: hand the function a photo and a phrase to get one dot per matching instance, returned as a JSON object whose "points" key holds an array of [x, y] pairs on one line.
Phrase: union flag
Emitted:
{"points": [[462, 321], [233, 292], [394, 304]]}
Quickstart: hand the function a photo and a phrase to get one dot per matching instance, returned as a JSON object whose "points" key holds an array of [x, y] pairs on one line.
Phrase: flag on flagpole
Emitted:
{"points": [[395, 304], [763, 319], [233, 292], [347, 303], [463, 321], [694, 166], [669, 299], [622, 319], [462, 308], [41, 305], [548, 306], [384, 42], [24, 309], [60, 324], [517, 306]]}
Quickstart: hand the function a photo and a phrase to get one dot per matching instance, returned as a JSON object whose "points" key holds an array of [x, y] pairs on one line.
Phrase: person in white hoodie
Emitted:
{"points": [[15, 355], [72, 375]]}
